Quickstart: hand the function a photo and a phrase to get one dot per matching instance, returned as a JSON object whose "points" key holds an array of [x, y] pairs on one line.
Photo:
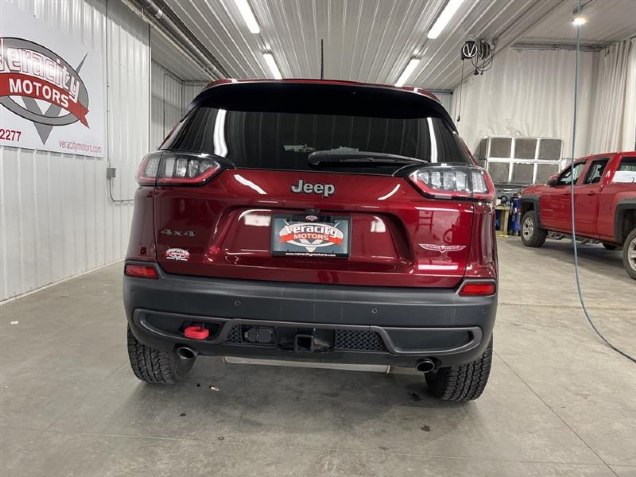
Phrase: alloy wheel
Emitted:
{"points": [[631, 254], [528, 228]]}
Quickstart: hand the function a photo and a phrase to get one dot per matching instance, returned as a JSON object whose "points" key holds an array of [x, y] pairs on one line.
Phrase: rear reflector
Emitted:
{"points": [[141, 271], [478, 289]]}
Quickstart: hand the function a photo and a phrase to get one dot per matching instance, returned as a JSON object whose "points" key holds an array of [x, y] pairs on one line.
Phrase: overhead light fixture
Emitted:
{"points": [[579, 20], [407, 71], [248, 15], [449, 10], [273, 67]]}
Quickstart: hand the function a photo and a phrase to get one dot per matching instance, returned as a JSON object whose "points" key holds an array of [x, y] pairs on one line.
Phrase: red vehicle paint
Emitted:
{"points": [[306, 201], [604, 199]]}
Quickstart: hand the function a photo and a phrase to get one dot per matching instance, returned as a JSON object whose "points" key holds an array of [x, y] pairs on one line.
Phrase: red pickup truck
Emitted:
{"points": [[604, 201]]}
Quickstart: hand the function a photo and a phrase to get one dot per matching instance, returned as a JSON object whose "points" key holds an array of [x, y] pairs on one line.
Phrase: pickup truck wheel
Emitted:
{"points": [[154, 366], [531, 234], [629, 254], [461, 383]]}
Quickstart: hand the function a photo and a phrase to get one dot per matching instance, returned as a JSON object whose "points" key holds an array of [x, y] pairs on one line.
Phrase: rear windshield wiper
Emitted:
{"points": [[367, 158]]}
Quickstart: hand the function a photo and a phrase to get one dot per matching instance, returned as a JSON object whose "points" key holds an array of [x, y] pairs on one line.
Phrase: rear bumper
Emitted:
{"points": [[372, 325]]}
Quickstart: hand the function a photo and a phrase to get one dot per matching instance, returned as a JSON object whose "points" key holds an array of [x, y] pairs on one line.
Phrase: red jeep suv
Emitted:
{"points": [[327, 222]]}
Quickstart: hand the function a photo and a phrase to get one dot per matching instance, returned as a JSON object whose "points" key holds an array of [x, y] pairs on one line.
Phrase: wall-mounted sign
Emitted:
{"points": [[51, 88]]}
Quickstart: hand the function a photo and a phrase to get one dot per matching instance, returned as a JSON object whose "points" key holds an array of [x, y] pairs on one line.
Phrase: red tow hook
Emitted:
{"points": [[196, 332]]}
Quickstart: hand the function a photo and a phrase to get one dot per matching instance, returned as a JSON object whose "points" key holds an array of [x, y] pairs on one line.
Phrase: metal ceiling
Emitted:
{"points": [[365, 40], [172, 57], [608, 21], [373, 40]]}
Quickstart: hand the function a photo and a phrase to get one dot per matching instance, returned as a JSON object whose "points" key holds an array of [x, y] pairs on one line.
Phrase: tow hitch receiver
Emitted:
{"points": [[314, 341], [303, 342]]}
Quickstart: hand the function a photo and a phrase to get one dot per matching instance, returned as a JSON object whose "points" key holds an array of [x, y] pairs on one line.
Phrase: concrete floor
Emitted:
{"points": [[558, 403]]}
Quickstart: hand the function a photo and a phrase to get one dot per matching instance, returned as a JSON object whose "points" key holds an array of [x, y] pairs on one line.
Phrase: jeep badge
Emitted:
{"points": [[306, 188]]}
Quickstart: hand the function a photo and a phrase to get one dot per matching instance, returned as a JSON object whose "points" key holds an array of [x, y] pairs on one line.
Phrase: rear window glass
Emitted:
{"points": [[626, 171], [284, 140]]}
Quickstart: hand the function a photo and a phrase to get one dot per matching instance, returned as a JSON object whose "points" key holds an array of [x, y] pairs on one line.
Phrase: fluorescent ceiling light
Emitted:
{"points": [[579, 20], [248, 15], [407, 71], [449, 10], [273, 67]]}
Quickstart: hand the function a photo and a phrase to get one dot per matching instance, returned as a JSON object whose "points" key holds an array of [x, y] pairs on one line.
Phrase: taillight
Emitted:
{"points": [[147, 172], [169, 168], [454, 182], [141, 271], [478, 289]]}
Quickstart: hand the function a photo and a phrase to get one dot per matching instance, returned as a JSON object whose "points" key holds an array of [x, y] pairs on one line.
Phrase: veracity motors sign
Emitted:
{"points": [[51, 89], [31, 71]]}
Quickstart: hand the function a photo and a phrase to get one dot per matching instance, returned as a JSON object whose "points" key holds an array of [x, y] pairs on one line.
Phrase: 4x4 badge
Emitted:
{"points": [[178, 233]]}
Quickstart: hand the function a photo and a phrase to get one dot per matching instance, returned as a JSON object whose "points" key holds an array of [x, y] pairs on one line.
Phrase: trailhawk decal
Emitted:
{"points": [[51, 87], [305, 237], [178, 254]]}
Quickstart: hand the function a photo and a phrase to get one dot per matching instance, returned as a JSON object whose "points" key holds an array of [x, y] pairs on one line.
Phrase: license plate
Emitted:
{"points": [[310, 235]]}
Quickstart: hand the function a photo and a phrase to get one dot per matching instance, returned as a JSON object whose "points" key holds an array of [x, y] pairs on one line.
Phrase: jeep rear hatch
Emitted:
{"points": [[322, 183]]}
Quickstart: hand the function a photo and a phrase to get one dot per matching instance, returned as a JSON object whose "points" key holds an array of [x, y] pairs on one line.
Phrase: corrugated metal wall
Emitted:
{"points": [[167, 103], [56, 217], [446, 99], [190, 90], [170, 98]]}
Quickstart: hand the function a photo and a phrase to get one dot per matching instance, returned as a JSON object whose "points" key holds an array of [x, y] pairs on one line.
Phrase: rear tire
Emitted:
{"points": [[154, 366], [629, 254], [531, 234], [461, 383]]}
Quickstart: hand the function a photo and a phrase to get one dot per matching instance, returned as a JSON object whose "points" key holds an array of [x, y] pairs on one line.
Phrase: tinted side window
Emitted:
{"points": [[628, 164], [595, 173]]}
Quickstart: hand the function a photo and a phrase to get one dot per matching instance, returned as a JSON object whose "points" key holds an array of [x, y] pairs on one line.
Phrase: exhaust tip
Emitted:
{"points": [[185, 352], [425, 366]]}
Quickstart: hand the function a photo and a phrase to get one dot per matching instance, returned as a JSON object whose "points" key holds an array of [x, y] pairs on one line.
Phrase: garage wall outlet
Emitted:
{"points": [[111, 172]]}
